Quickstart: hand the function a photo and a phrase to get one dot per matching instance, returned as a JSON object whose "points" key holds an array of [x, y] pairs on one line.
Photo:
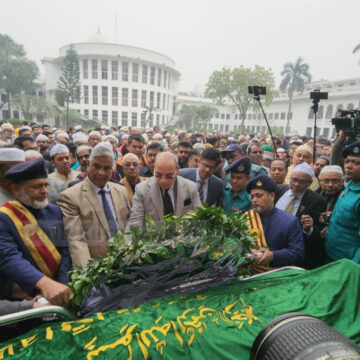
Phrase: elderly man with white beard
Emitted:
{"points": [[33, 246]]}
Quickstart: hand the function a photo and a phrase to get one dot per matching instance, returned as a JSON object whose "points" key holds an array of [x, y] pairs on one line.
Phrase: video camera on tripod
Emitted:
{"points": [[348, 120]]}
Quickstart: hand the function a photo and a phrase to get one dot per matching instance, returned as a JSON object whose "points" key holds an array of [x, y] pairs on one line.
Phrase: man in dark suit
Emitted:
{"points": [[307, 206], [209, 186]]}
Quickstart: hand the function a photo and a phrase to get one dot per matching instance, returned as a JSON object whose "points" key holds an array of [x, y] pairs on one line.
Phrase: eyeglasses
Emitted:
{"points": [[167, 176], [329, 181], [208, 166], [298, 181], [128, 165]]}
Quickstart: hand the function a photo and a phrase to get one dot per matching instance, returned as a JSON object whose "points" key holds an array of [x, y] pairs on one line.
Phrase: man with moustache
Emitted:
{"points": [[33, 246], [279, 235]]}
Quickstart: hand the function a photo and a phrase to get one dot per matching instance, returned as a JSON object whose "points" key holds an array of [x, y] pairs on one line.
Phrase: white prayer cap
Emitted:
{"points": [[23, 128], [304, 168], [306, 148], [57, 149], [62, 134], [78, 127], [157, 137], [332, 169], [102, 149], [230, 138], [110, 136], [116, 134], [94, 133], [79, 136], [11, 154], [83, 147], [7, 126], [280, 150], [42, 137]]}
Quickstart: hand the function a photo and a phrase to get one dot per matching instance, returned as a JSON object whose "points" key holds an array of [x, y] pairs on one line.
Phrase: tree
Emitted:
{"points": [[17, 72], [187, 115], [32, 106], [69, 90], [295, 76], [232, 86], [190, 115], [72, 117]]}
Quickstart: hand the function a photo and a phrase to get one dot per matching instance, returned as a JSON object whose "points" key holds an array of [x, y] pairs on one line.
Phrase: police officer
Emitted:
{"points": [[342, 238], [236, 200]]}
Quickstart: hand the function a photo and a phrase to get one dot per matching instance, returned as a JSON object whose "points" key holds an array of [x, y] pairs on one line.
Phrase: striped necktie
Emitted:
{"points": [[201, 190], [290, 206], [108, 214]]}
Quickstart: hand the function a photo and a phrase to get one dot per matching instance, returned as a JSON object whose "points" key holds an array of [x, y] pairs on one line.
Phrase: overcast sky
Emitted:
{"points": [[200, 35]]}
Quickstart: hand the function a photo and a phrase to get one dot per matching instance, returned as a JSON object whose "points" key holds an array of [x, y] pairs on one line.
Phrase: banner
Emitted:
{"points": [[220, 323]]}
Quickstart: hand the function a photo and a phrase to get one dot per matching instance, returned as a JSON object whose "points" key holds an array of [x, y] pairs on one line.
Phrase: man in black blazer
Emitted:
{"points": [[209, 186], [307, 206]]}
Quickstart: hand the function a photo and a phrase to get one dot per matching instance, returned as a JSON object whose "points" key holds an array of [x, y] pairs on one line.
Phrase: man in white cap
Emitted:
{"points": [[307, 206], [331, 184], [8, 158], [303, 153], [94, 138], [79, 138], [61, 160], [25, 131], [94, 209], [7, 133], [114, 142], [43, 144], [61, 137]]}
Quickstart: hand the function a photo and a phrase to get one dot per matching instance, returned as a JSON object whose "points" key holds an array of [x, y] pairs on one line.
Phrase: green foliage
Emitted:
{"points": [[33, 106], [206, 235], [295, 76], [190, 116], [17, 72], [69, 89], [231, 85], [72, 118], [277, 130]]}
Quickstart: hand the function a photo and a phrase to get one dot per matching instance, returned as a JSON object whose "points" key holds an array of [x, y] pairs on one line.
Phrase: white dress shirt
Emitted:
{"points": [[205, 186], [107, 196]]}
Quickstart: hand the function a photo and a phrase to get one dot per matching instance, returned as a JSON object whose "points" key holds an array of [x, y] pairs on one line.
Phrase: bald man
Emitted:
{"points": [[164, 193]]}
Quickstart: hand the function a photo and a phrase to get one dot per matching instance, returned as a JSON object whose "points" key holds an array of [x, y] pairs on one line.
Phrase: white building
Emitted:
{"points": [[120, 84], [343, 94]]}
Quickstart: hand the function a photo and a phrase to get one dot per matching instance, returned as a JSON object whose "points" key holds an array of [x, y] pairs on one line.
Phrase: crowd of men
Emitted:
{"points": [[64, 194]]}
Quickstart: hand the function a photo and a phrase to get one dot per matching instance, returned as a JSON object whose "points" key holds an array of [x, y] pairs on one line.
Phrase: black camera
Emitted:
{"points": [[348, 120], [317, 95], [257, 90]]}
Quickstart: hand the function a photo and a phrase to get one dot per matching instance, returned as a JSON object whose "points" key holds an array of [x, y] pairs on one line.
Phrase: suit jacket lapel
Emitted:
{"points": [[94, 201], [116, 201], [179, 195], [156, 196], [125, 182]]}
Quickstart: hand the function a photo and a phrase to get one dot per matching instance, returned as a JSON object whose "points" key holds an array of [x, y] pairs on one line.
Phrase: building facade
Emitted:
{"points": [[120, 85], [342, 94]]}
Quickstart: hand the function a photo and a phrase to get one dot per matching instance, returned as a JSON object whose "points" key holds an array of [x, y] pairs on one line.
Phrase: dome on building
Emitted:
{"points": [[97, 38]]}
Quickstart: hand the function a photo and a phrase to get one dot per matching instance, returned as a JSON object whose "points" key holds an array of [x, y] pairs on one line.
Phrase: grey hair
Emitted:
{"points": [[32, 154], [129, 155], [102, 149]]}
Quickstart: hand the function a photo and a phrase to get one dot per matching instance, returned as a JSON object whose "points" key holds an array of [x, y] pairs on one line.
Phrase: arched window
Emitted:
{"points": [[320, 113], [350, 107], [329, 112], [311, 113]]}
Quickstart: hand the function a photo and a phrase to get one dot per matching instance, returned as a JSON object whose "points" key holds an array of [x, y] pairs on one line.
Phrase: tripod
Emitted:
{"points": [[316, 96], [257, 98]]}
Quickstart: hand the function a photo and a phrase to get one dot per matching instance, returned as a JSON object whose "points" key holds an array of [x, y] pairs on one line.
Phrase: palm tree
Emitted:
{"points": [[295, 76]]}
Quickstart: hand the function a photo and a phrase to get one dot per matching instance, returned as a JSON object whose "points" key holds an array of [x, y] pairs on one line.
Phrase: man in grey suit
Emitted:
{"points": [[209, 186], [164, 193]]}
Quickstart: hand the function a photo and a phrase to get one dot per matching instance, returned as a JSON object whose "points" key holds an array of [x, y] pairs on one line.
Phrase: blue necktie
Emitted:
{"points": [[108, 214]]}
